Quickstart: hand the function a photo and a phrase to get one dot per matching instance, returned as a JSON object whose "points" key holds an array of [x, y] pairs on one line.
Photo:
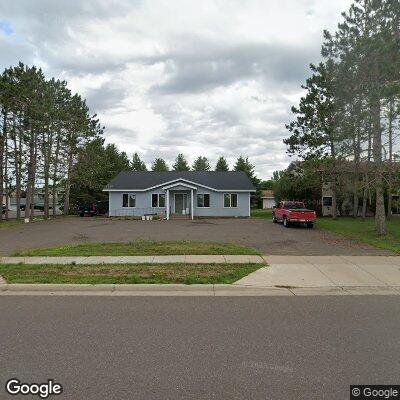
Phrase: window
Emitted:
{"points": [[203, 200], [230, 200], [327, 201], [158, 200], [293, 205], [128, 200]]}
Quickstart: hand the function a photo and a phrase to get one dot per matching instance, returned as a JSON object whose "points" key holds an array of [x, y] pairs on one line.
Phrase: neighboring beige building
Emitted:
{"points": [[347, 203], [268, 199], [4, 200]]}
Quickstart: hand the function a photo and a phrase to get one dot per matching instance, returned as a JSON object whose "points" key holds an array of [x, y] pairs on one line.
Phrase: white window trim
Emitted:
{"points": [[327, 197], [129, 194], [230, 200], [158, 200], [203, 200]]}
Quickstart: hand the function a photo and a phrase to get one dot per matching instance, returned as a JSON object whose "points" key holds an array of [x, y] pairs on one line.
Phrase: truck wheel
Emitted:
{"points": [[310, 225], [274, 220], [81, 214], [286, 223]]}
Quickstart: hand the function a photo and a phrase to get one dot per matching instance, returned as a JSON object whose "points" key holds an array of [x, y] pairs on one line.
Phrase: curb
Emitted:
{"points": [[210, 290]]}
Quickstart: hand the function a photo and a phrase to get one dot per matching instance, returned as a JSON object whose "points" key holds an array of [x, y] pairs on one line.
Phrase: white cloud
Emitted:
{"points": [[216, 77]]}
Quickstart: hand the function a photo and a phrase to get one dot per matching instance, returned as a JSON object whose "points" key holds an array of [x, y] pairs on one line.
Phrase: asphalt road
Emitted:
{"points": [[262, 234], [200, 348]]}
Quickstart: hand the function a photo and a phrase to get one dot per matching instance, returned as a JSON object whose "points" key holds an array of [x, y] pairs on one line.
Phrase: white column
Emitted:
{"points": [[191, 200], [167, 204]]}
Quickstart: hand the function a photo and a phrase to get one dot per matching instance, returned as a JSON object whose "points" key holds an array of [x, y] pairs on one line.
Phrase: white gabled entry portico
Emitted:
{"points": [[179, 188]]}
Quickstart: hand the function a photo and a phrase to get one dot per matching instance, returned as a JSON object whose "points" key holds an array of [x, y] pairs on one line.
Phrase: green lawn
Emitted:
{"points": [[126, 273], [140, 248], [261, 213], [364, 231], [14, 222], [9, 223]]}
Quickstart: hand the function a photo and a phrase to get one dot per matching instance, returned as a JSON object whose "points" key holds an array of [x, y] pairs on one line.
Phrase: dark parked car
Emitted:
{"points": [[92, 209], [3, 209], [40, 207]]}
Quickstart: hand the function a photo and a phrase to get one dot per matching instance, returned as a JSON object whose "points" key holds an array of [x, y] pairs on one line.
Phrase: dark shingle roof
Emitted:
{"points": [[219, 180]]}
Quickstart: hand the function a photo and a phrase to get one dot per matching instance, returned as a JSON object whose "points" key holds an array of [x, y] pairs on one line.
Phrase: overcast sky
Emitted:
{"points": [[209, 77]]}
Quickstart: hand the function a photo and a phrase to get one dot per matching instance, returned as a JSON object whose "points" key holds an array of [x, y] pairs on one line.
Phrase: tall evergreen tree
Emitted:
{"points": [[137, 164], [96, 165], [43, 126], [159, 164], [243, 164], [222, 164], [180, 163], [201, 164], [314, 132], [366, 49]]}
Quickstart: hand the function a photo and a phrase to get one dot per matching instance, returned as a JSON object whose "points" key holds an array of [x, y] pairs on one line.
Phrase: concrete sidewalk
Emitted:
{"points": [[285, 276], [189, 259], [345, 272]]}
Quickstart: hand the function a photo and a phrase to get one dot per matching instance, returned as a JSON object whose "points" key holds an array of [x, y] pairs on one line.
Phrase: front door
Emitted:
{"points": [[180, 203]]}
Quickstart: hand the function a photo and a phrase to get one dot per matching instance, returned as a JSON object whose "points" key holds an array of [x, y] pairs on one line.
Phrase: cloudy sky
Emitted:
{"points": [[210, 77]]}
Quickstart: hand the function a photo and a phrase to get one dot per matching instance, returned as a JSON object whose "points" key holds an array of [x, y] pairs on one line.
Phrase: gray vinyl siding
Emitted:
{"points": [[143, 204], [216, 209]]}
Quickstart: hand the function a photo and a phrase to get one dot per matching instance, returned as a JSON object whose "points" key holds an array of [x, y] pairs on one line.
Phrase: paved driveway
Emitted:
{"points": [[327, 274], [267, 237]]}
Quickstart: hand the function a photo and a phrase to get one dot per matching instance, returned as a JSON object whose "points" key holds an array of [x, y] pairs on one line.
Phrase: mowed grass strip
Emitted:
{"points": [[364, 231], [261, 213], [141, 248], [126, 273], [9, 223]]}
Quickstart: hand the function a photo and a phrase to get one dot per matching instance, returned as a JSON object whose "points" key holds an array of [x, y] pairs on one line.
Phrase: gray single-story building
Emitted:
{"points": [[180, 193]]}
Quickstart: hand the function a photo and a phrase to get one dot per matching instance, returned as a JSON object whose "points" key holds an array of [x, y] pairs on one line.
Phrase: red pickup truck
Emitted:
{"points": [[291, 212]]}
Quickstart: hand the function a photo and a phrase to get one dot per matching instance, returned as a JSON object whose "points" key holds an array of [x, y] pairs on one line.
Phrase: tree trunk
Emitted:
{"points": [[68, 184], [334, 198], [46, 149], [357, 151], [355, 199], [18, 172], [366, 175], [29, 207], [333, 180], [2, 144], [365, 197], [380, 215], [55, 172], [46, 194], [390, 175], [6, 180]]}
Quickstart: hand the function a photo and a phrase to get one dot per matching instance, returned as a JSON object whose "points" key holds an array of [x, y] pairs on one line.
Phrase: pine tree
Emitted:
{"points": [[243, 164], [159, 164], [222, 164], [137, 164], [43, 127], [201, 164], [96, 165], [314, 132], [366, 50], [180, 163]]}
